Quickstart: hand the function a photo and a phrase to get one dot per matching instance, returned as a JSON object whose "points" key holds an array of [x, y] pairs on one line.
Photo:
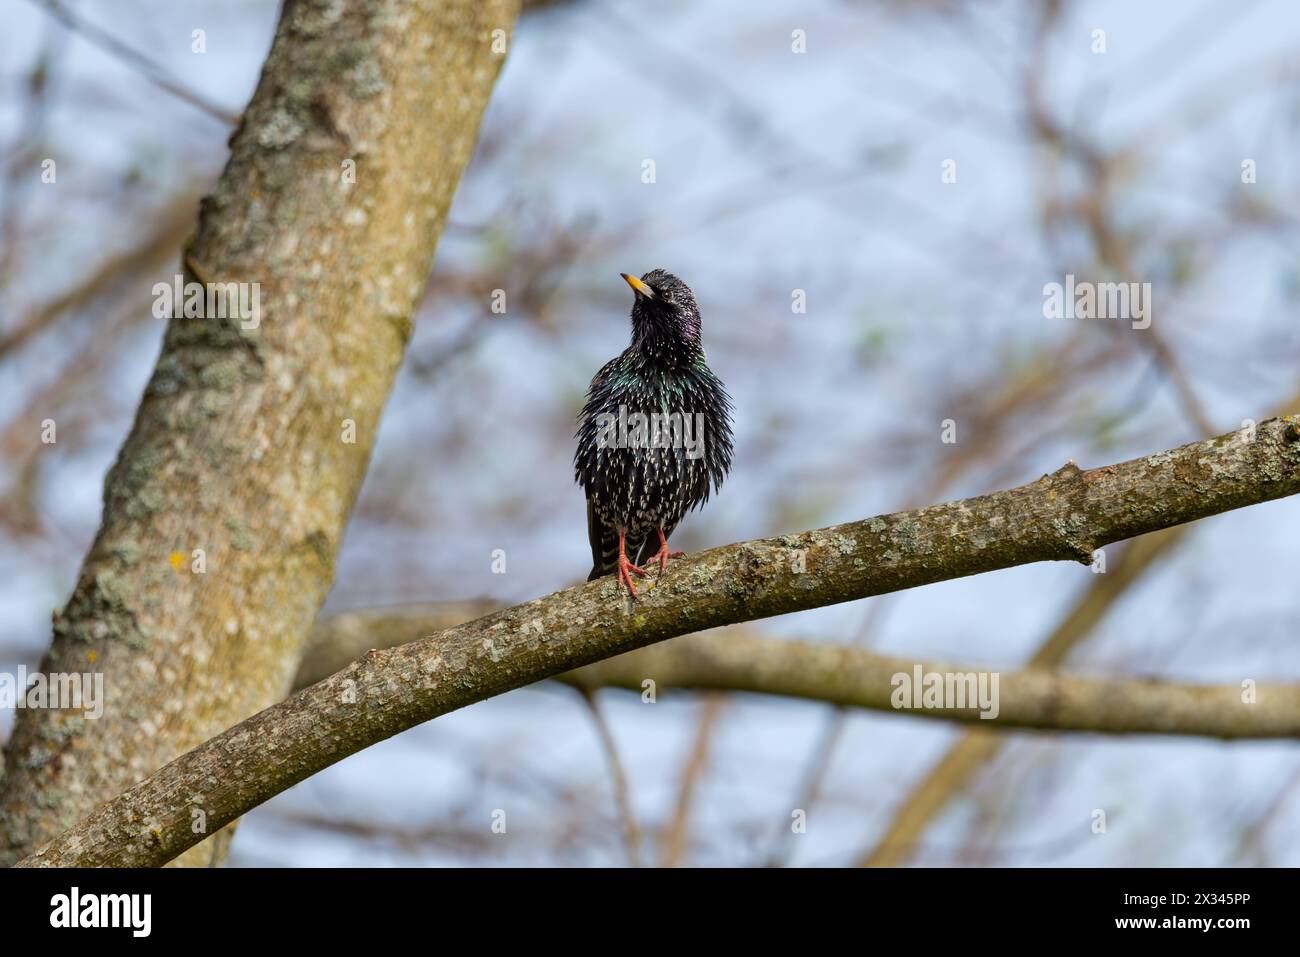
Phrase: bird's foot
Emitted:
{"points": [[663, 554], [626, 569], [625, 572], [662, 557]]}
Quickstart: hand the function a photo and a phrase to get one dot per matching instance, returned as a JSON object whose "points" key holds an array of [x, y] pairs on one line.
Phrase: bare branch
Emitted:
{"points": [[618, 778], [976, 749], [1060, 517], [677, 835], [963, 760], [1034, 698], [137, 61]]}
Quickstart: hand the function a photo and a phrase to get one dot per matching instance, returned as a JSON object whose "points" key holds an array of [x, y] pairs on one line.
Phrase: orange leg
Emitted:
{"points": [[664, 554], [625, 568]]}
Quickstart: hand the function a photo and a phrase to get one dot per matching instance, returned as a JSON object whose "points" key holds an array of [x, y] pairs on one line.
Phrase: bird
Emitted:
{"points": [[654, 434]]}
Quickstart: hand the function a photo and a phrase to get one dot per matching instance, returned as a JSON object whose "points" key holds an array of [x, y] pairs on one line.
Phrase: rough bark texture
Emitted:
{"points": [[337, 639], [239, 446], [1062, 516]]}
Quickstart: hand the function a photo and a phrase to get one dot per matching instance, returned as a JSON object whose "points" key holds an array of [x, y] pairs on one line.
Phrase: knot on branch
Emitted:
{"points": [[1072, 529]]}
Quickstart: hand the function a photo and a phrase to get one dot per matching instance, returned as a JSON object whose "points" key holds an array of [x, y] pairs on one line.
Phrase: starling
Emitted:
{"points": [[654, 436]]}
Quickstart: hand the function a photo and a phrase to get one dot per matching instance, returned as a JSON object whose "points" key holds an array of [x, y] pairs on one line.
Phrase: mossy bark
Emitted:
{"points": [[250, 443]]}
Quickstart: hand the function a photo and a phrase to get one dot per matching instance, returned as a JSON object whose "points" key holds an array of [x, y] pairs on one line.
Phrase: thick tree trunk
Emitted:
{"points": [[250, 443]]}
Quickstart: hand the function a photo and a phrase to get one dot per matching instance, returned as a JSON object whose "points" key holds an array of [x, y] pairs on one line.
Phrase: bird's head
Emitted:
{"points": [[664, 307]]}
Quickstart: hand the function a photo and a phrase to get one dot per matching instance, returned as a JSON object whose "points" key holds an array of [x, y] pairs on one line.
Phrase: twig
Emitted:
{"points": [[618, 779], [677, 836], [136, 60]]}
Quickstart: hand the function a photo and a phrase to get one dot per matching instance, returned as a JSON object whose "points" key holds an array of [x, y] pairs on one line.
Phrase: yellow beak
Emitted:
{"points": [[640, 288]]}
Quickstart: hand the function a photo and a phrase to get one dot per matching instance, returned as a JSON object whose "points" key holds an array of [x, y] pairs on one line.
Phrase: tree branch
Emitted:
{"points": [[1063, 516], [976, 750], [337, 639], [137, 61], [1032, 698]]}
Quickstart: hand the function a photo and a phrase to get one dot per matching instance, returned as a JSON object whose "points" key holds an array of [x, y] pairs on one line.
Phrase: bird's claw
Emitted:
{"points": [[625, 572], [662, 557]]}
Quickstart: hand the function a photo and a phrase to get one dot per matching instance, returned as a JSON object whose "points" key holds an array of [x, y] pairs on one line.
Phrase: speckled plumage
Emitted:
{"points": [[639, 489]]}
